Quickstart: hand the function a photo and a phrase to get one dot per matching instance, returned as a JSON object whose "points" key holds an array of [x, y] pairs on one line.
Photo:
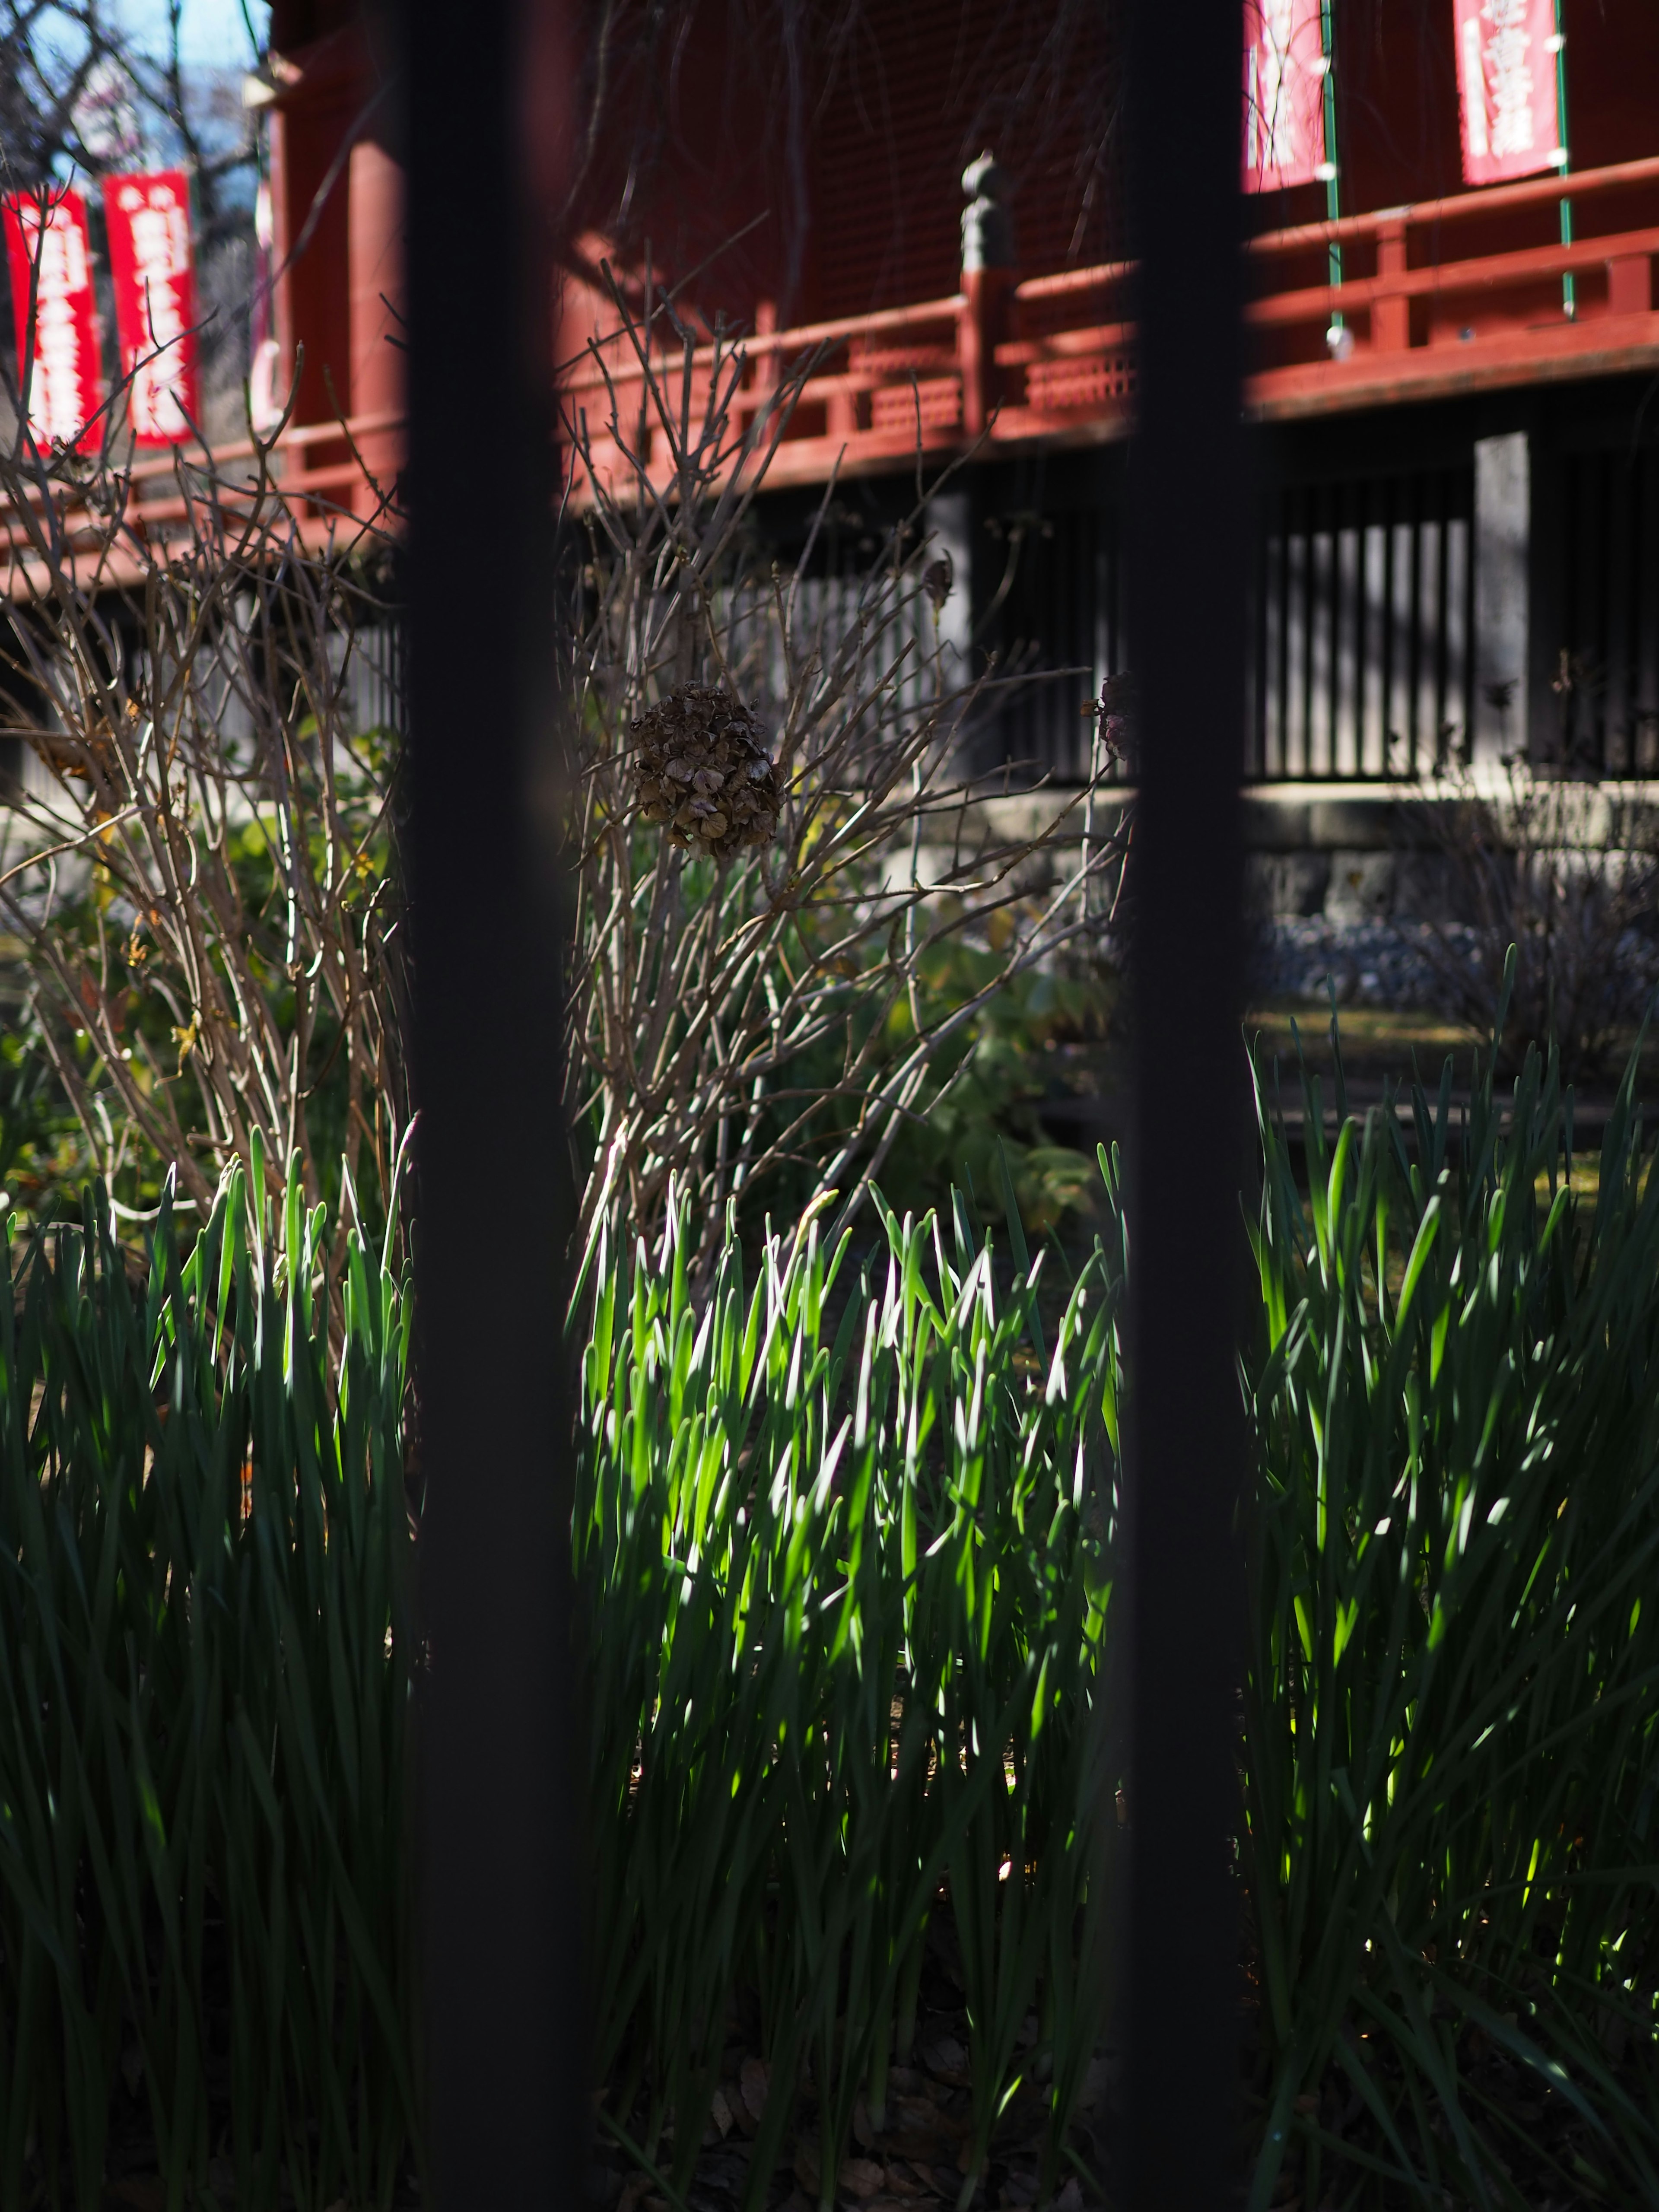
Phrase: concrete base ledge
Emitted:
{"points": [[1368, 851], [1376, 817]]}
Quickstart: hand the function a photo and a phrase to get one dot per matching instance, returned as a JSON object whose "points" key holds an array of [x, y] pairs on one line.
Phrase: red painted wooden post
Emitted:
{"points": [[763, 369], [984, 323], [988, 277], [1630, 284], [1391, 318], [842, 409], [971, 352], [374, 200]]}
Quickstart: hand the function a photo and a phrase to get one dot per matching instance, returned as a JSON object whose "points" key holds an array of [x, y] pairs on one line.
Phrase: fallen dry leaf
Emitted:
{"points": [[860, 2177], [753, 2082], [807, 2170], [1094, 2083], [948, 2110], [1070, 2198], [904, 2180], [721, 2112], [919, 2129], [948, 2062], [738, 2109]]}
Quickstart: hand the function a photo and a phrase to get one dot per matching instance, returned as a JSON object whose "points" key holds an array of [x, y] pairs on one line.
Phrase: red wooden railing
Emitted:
{"points": [[1053, 356], [331, 478], [1443, 296]]}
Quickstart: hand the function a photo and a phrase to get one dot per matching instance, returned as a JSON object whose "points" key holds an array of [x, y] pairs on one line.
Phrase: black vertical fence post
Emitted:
{"points": [[499, 1781], [1187, 642]]}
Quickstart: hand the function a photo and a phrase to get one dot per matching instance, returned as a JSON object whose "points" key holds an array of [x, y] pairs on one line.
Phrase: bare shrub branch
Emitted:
{"points": [[202, 865], [1567, 872], [734, 1017]]}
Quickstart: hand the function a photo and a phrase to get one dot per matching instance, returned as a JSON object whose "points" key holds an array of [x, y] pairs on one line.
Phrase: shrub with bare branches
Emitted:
{"points": [[758, 901], [1568, 873], [201, 854]]}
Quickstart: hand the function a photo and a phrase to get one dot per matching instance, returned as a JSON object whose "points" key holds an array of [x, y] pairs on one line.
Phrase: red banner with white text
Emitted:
{"points": [[1506, 52], [50, 263], [154, 278], [1284, 67]]}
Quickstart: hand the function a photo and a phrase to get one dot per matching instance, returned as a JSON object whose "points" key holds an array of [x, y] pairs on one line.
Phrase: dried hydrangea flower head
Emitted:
{"points": [[703, 769]]}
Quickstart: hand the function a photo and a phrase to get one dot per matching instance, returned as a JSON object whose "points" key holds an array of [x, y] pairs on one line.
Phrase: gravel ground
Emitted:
{"points": [[1372, 964], [1397, 964]]}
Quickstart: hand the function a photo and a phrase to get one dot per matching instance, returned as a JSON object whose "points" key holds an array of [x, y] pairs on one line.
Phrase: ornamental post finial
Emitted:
{"points": [[988, 225]]}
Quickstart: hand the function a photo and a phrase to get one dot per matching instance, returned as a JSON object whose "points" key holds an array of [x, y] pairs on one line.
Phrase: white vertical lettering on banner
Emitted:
{"points": [[1506, 88], [1284, 93], [47, 252], [151, 260]]}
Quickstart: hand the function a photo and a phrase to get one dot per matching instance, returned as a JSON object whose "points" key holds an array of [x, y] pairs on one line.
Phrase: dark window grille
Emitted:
{"points": [[1605, 672], [1360, 627], [1362, 614], [1064, 611]]}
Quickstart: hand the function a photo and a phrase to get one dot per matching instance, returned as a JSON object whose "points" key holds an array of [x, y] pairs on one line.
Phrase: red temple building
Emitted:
{"points": [[1459, 547]]}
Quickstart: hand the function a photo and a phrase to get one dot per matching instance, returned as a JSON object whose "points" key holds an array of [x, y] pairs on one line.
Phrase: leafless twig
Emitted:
{"points": [[730, 1015], [217, 944], [1567, 872]]}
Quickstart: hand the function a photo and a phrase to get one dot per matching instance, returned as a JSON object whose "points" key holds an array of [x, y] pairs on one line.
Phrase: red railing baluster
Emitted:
{"points": [[1391, 314], [1630, 284]]}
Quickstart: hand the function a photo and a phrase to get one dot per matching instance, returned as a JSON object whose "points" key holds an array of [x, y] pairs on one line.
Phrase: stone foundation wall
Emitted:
{"points": [[1371, 852]]}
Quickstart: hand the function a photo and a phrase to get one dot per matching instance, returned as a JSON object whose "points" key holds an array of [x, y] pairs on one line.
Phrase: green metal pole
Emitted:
{"points": [[1568, 290], [1333, 182]]}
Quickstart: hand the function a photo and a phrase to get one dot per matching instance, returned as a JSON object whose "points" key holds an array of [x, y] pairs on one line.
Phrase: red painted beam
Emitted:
{"points": [[1483, 272], [1495, 200], [1606, 345]]}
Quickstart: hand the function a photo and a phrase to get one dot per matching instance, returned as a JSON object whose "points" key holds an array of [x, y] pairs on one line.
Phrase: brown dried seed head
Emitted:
{"points": [[702, 765]]}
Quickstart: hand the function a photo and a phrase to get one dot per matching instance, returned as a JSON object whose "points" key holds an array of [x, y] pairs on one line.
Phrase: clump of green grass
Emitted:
{"points": [[850, 1594], [204, 1669], [848, 1556], [1449, 1762]]}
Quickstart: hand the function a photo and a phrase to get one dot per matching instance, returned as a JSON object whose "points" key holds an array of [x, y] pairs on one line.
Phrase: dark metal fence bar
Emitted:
{"points": [[500, 1779], [1187, 538]]}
